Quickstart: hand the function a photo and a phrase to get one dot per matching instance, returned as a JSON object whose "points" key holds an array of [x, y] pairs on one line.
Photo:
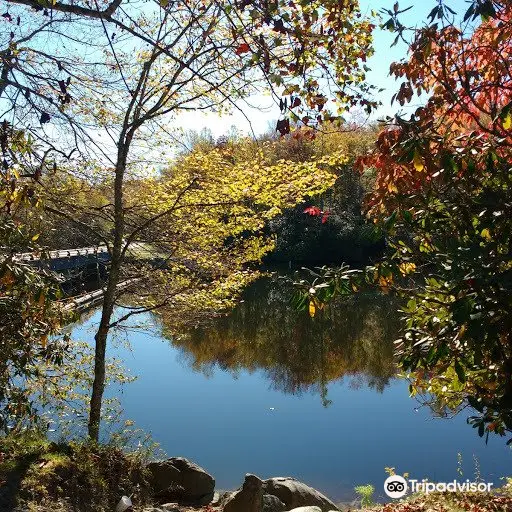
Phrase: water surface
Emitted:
{"points": [[269, 391]]}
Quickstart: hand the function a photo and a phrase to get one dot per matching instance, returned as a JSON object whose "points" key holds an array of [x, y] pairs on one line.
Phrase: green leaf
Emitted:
{"points": [[407, 216], [459, 370], [476, 404], [390, 221]]}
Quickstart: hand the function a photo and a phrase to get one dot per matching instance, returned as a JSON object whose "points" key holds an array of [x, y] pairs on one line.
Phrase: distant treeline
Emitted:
{"points": [[341, 233]]}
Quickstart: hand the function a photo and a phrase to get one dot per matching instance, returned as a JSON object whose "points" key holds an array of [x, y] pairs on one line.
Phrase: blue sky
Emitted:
{"points": [[385, 54], [265, 114]]}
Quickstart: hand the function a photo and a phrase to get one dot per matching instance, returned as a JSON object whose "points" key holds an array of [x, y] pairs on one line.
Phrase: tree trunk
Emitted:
{"points": [[109, 298], [100, 338]]}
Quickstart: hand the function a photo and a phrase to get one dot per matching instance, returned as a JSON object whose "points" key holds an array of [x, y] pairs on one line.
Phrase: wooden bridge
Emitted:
{"points": [[88, 300], [74, 262], [66, 259]]}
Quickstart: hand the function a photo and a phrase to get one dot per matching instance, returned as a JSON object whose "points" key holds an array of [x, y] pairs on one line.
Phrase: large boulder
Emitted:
{"points": [[306, 509], [249, 498], [297, 494], [178, 479], [272, 503]]}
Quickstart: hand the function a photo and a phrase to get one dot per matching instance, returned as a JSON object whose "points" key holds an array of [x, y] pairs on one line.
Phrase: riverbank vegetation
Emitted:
{"points": [[38, 474]]}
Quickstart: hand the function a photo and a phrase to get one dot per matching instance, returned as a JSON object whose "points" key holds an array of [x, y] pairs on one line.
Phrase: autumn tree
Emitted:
{"points": [[442, 196], [28, 316], [98, 86]]}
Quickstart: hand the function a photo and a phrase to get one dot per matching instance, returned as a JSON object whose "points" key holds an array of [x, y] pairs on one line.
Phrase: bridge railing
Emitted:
{"points": [[62, 253], [91, 299]]}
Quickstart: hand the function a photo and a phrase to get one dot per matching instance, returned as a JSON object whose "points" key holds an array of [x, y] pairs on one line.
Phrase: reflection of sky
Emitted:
{"points": [[234, 426]]}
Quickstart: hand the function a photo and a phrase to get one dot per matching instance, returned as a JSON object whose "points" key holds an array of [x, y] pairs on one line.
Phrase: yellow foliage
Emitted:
{"points": [[407, 268], [418, 161], [385, 283], [211, 208], [211, 197], [485, 233], [507, 122]]}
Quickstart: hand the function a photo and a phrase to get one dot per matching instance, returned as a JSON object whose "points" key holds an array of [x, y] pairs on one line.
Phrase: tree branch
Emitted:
{"points": [[74, 9]]}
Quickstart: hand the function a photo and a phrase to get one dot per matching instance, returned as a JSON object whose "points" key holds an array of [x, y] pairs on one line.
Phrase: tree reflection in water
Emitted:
{"points": [[352, 338]]}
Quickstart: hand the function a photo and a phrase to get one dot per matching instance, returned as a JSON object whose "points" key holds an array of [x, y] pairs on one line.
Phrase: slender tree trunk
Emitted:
{"points": [[109, 298], [100, 338]]}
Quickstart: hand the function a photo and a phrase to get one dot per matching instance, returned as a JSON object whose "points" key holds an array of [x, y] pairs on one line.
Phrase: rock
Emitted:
{"points": [[125, 503], [306, 509], [347, 506], [180, 480], [272, 503], [170, 507], [297, 494], [216, 500], [249, 498], [224, 497]]}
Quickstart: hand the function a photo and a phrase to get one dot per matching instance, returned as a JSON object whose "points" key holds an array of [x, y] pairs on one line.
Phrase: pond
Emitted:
{"points": [[267, 390]]}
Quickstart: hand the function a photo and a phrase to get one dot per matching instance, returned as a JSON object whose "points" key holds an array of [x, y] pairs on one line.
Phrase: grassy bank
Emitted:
{"points": [[68, 476]]}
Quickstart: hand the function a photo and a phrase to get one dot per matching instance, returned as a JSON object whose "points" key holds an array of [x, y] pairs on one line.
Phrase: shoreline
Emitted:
{"points": [[39, 475]]}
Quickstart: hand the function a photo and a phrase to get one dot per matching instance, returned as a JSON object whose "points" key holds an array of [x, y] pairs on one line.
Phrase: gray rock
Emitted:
{"points": [[347, 506], [249, 498], [272, 503], [306, 509], [170, 507], [180, 480], [216, 500], [297, 494], [224, 497]]}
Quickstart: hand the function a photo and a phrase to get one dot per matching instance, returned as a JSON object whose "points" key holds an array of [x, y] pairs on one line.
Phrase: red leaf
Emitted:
{"points": [[325, 216], [243, 48], [313, 210]]}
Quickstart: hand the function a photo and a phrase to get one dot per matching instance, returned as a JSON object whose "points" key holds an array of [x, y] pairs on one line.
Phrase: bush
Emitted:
{"points": [[78, 475]]}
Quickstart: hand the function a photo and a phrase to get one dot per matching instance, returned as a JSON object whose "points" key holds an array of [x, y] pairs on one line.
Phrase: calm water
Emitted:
{"points": [[269, 391]]}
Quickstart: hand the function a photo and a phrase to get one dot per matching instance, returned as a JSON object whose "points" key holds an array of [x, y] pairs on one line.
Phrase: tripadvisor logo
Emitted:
{"points": [[396, 486]]}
